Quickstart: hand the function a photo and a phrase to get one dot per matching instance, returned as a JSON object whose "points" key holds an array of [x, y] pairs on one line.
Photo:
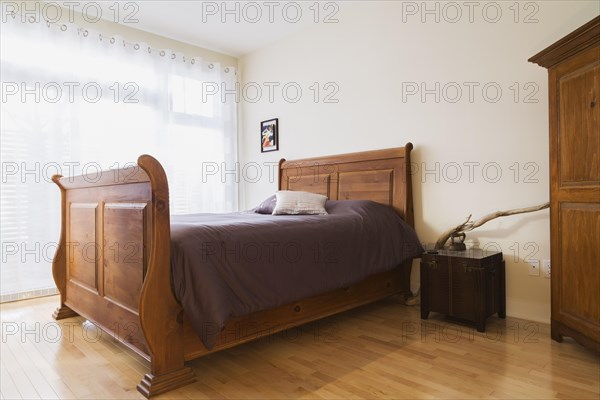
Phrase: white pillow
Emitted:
{"points": [[292, 202]]}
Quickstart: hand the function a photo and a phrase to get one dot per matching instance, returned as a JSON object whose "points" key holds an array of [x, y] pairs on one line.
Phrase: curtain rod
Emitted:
{"points": [[63, 27]]}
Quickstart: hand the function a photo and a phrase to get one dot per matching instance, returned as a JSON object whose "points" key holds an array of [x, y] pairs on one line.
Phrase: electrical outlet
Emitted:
{"points": [[534, 267], [546, 268]]}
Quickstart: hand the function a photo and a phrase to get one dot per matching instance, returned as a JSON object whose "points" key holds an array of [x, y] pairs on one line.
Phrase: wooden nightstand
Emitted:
{"points": [[467, 285]]}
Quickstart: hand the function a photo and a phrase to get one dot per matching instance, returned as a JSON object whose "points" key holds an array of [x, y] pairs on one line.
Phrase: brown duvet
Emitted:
{"points": [[235, 264]]}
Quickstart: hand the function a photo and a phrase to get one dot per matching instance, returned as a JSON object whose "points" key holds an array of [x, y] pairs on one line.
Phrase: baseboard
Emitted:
{"points": [[28, 294]]}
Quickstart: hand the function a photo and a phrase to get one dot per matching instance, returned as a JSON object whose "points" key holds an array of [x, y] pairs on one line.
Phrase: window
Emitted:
{"points": [[75, 102]]}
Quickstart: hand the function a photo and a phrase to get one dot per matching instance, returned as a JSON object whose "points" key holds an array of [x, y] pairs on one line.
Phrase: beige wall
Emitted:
{"points": [[373, 56]]}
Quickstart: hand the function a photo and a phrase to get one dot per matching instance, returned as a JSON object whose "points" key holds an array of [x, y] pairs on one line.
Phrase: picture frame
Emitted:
{"points": [[269, 135]]}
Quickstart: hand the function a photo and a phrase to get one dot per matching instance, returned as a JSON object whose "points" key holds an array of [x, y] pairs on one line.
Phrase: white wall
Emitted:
{"points": [[373, 56]]}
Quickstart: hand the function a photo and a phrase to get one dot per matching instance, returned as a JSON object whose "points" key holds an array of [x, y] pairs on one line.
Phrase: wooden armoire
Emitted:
{"points": [[574, 92]]}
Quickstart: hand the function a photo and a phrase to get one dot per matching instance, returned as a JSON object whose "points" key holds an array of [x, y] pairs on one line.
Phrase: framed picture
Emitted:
{"points": [[269, 135]]}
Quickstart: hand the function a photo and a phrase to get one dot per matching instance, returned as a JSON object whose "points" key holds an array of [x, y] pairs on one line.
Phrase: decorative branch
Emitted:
{"points": [[469, 225], [446, 235]]}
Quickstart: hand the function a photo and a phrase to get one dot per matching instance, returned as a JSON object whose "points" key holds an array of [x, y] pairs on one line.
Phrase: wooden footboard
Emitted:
{"points": [[112, 265]]}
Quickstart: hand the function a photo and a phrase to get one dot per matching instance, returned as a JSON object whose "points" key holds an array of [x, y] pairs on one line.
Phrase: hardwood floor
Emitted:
{"points": [[379, 351]]}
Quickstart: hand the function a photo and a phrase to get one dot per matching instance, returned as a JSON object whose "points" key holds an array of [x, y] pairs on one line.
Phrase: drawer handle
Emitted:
{"points": [[433, 264]]}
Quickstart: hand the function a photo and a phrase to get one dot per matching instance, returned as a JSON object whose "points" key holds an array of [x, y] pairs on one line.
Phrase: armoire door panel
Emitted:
{"points": [[579, 230], [579, 118]]}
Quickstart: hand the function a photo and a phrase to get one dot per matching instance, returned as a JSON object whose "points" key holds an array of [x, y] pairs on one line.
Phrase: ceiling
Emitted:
{"points": [[234, 28]]}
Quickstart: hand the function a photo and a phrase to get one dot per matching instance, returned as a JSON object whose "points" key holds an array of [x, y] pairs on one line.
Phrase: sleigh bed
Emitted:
{"points": [[113, 263]]}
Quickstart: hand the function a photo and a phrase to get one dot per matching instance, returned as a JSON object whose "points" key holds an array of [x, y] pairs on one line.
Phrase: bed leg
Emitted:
{"points": [[59, 262], [63, 312], [152, 384]]}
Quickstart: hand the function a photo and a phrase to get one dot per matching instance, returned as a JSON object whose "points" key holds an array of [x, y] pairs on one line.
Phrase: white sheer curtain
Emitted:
{"points": [[75, 101]]}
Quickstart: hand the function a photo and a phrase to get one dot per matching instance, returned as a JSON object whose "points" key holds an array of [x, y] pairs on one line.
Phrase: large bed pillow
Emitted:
{"points": [[267, 206], [293, 202]]}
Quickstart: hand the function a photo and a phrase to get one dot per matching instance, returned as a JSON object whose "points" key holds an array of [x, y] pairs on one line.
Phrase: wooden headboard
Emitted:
{"points": [[382, 176]]}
